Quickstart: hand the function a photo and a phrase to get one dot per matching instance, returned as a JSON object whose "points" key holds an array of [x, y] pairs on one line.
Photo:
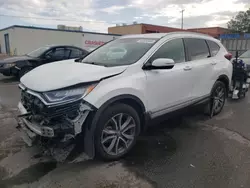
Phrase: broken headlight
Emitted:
{"points": [[68, 94]]}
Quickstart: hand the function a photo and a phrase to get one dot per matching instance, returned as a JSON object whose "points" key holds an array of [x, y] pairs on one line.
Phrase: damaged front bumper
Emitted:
{"points": [[54, 124]]}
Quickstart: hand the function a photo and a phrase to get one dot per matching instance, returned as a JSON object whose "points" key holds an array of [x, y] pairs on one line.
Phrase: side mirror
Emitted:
{"points": [[78, 59], [47, 56], [163, 63]]}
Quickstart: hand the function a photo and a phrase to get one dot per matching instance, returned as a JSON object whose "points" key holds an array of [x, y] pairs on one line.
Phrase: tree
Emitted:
{"points": [[240, 23]]}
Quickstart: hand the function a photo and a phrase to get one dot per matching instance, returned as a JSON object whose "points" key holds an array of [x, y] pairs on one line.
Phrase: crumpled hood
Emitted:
{"points": [[14, 59], [62, 74]]}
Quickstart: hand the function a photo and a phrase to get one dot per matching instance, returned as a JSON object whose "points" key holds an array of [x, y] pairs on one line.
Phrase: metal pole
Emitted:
{"points": [[182, 18]]}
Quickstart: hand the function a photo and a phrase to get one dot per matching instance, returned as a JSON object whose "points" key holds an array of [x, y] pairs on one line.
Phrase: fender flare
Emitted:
{"points": [[225, 77], [92, 120]]}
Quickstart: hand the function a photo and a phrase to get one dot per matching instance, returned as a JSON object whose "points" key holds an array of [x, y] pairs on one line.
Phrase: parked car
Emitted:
{"points": [[111, 97], [20, 65], [246, 58]]}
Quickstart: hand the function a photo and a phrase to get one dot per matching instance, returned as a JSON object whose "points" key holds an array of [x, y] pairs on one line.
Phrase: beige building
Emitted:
{"points": [[19, 40]]}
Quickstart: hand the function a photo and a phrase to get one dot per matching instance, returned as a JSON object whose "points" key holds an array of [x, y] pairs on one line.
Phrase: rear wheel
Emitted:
{"points": [[217, 99], [117, 131]]}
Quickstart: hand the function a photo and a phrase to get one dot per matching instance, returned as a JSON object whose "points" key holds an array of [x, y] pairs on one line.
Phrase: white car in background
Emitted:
{"points": [[110, 97], [246, 58]]}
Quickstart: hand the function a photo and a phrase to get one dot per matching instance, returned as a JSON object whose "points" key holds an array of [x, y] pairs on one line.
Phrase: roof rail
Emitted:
{"points": [[188, 32]]}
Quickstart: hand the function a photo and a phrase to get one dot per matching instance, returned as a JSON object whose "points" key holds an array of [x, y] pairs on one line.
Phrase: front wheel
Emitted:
{"points": [[117, 131]]}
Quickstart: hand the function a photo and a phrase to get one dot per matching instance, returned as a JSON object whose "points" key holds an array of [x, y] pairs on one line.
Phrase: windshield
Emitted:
{"points": [[120, 52], [38, 52], [246, 54]]}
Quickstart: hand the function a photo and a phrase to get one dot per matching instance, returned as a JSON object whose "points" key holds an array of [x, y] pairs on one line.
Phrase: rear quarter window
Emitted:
{"points": [[213, 47]]}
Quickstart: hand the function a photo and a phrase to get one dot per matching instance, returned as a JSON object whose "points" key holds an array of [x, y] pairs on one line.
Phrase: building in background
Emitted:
{"points": [[148, 28], [19, 40], [236, 42], [140, 29], [212, 31]]}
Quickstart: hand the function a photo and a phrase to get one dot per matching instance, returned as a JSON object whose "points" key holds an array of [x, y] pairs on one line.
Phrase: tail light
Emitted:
{"points": [[228, 56]]}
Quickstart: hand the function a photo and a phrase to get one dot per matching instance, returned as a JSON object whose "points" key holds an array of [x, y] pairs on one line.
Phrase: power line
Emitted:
{"points": [[54, 19]]}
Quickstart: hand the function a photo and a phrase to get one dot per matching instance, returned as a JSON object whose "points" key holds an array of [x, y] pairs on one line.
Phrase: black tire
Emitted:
{"points": [[107, 115], [208, 106], [6, 74], [23, 71]]}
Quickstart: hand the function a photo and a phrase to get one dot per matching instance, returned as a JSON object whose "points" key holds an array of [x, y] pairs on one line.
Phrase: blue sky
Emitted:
{"points": [[98, 15]]}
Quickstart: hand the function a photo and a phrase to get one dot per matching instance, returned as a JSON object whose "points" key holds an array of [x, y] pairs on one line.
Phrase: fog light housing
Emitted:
{"points": [[47, 132]]}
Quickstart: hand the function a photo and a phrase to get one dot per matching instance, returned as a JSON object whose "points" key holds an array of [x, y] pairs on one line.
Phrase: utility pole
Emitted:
{"points": [[182, 18]]}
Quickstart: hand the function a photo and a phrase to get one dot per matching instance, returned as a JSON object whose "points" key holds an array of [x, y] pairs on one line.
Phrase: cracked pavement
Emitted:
{"points": [[186, 152]]}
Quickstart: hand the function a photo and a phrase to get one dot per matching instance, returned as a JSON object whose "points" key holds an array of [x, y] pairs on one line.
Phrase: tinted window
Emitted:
{"points": [[59, 53], [197, 48], [66, 53], [173, 49], [214, 48], [75, 53]]}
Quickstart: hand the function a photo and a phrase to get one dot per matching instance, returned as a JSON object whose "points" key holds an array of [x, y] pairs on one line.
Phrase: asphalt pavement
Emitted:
{"points": [[186, 152]]}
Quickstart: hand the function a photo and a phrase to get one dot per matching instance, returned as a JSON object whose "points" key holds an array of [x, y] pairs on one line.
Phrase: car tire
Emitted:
{"points": [[218, 93], [24, 71], [6, 74], [116, 132]]}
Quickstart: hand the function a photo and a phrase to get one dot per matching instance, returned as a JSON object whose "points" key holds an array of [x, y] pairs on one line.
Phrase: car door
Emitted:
{"points": [[202, 64], [169, 89]]}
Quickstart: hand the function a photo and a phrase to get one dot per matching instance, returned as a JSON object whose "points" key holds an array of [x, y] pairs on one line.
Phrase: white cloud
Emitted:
{"points": [[113, 10], [97, 15]]}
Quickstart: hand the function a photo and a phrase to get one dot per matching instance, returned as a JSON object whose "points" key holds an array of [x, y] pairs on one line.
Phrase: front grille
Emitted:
{"points": [[34, 105]]}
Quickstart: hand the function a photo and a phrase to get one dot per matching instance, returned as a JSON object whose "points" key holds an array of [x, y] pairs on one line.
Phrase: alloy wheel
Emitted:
{"points": [[118, 134], [219, 99]]}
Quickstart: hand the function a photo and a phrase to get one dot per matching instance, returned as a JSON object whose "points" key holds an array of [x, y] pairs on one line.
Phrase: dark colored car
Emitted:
{"points": [[20, 65]]}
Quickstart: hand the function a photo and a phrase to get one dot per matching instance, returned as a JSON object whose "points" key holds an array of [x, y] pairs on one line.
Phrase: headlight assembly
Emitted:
{"points": [[7, 65], [69, 94]]}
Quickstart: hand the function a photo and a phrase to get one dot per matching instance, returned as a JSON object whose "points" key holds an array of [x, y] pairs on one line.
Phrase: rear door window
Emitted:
{"points": [[213, 47], [75, 53], [197, 48]]}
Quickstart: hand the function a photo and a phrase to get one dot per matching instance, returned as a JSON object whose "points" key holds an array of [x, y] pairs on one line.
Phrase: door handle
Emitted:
{"points": [[213, 63], [187, 68]]}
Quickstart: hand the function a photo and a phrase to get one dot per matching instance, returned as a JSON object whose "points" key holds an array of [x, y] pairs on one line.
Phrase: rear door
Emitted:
{"points": [[202, 65]]}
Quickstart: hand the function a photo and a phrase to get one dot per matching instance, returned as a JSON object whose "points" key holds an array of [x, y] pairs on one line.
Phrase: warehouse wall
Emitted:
{"points": [[11, 33], [27, 39]]}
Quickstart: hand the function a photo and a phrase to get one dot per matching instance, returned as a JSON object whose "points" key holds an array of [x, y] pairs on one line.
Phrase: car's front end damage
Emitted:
{"points": [[53, 120]]}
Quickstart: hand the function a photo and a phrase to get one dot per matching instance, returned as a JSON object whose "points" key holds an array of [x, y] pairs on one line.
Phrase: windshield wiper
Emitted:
{"points": [[94, 63]]}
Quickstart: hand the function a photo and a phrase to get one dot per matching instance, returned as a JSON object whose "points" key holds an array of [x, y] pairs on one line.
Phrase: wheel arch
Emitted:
{"points": [[224, 78], [90, 127]]}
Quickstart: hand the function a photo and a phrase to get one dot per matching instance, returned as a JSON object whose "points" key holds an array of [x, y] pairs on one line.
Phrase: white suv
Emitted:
{"points": [[108, 99]]}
